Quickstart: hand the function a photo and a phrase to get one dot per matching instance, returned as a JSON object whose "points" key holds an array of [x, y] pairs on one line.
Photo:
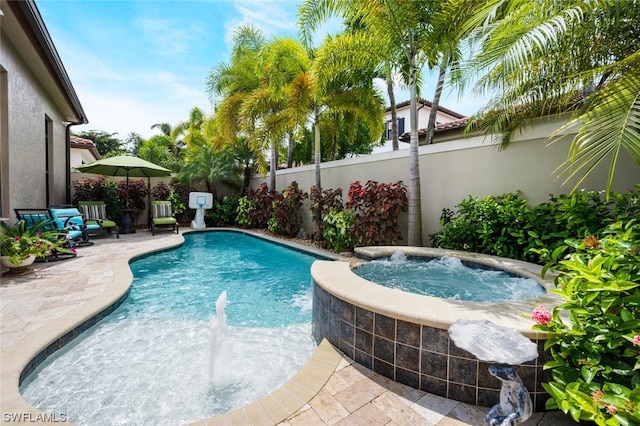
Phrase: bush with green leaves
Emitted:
{"points": [[337, 228], [322, 203], [255, 209], [223, 212], [506, 226], [286, 217], [595, 332]]}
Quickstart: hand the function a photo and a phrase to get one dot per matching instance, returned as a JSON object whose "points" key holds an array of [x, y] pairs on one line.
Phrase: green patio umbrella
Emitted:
{"points": [[124, 165]]}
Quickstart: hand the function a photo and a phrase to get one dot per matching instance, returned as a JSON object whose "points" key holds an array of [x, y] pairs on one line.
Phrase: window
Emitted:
{"points": [[388, 131]]}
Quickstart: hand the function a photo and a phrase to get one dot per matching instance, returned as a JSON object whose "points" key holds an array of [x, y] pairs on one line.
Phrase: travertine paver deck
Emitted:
{"points": [[35, 305]]}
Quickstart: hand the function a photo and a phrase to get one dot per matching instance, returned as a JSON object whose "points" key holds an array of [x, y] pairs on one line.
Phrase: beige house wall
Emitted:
{"points": [[451, 171], [28, 108]]}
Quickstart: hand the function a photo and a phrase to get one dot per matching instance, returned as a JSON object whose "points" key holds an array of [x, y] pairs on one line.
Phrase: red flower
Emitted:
{"points": [[18, 238], [636, 340]]}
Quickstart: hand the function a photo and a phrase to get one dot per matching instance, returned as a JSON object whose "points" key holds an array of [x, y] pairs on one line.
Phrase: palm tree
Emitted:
{"points": [[228, 86], [391, 30], [205, 164], [551, 58]]}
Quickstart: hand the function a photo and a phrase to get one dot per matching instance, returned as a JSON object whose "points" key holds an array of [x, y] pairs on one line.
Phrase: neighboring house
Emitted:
{"points": [[443, 118], [83, 151], [38, 104]]}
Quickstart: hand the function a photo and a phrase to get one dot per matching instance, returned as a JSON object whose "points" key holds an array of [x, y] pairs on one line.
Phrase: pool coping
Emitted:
{"points": [[341, 281], [277, 406]]}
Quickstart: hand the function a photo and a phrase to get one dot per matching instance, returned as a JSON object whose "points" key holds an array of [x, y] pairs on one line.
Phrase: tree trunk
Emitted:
{"points": [[394, 112], [431, 126], [317, 158], [274, 166], [415, 208], [290, 152]]}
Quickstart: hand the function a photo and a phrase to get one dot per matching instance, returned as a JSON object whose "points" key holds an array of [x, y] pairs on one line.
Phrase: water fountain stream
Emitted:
{"points": [[217, 333]]}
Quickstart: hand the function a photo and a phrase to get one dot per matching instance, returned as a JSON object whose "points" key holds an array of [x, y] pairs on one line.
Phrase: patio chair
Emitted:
{"points": [[32, 216], [162, 216], [95, 213], [70, 219]]}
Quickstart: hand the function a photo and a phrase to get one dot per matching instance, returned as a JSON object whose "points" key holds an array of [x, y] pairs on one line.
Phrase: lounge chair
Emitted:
{"points": [[33, 216], [70, 219], [95, 213], [162, 216]]}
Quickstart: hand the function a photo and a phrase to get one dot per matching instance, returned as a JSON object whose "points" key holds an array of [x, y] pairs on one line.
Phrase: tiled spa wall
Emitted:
{"points": [[416, 355]]}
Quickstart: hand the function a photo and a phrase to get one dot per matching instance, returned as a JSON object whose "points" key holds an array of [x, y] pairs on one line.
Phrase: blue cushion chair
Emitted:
{"points": [[70, 219]]}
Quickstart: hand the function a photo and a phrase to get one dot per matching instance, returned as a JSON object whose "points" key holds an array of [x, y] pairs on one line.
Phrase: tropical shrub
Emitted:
{"points": [[376, 207], [161, 192], [21, 240], [99, 189], [595, 342], [338, 230], [321, 204], [88, 189], [256, 208], [245, 205], [506, 226], [137, 192], [179, 198], [286, 217], [223, 212], [493, 224]]}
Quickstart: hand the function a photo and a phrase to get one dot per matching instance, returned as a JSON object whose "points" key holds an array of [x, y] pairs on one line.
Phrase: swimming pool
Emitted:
{"points": [[159, 336]]}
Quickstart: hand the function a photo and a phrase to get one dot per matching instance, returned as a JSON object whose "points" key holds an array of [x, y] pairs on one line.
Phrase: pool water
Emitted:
{"points": [[148, 362], [449, 278]]}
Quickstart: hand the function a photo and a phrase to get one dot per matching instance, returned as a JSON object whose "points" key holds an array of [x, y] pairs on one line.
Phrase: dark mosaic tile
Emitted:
{"points": [[364, 358], [347, 349], [433, 385], [407, 377], [486, 379], [384, 368], [383, 349], [539, 401], [462, 393], [347, 332], [347, 312], [435, 340], [488, 398], [408, 333], [460, 353], [463, 371], [364, 341], [384, 326], [364, 319], [434, 364], [528, 376], [407, 357]]}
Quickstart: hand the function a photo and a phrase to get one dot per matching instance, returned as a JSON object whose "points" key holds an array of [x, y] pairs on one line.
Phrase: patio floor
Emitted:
{"points": [[42, 305]]}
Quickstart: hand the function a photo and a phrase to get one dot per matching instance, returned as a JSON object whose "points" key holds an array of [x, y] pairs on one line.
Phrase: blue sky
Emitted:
{"points": [[137, 63]]}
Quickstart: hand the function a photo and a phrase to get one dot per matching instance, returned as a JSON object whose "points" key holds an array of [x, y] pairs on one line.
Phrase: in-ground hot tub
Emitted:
{"points": [[404, 336]]}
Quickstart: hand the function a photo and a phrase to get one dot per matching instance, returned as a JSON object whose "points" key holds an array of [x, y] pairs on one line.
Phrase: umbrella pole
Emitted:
{"points": [[127, 220]]}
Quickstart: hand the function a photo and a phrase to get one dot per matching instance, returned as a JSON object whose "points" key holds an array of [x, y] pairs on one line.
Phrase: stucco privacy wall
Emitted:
{"points": [[450, 171], [28, 107]]}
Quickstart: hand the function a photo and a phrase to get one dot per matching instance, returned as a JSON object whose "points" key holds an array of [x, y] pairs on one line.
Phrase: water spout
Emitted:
{"points": [[217, 332]]}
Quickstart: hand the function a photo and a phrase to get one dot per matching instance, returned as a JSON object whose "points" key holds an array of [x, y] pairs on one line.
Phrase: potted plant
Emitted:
{"points": [[20, 244]]}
